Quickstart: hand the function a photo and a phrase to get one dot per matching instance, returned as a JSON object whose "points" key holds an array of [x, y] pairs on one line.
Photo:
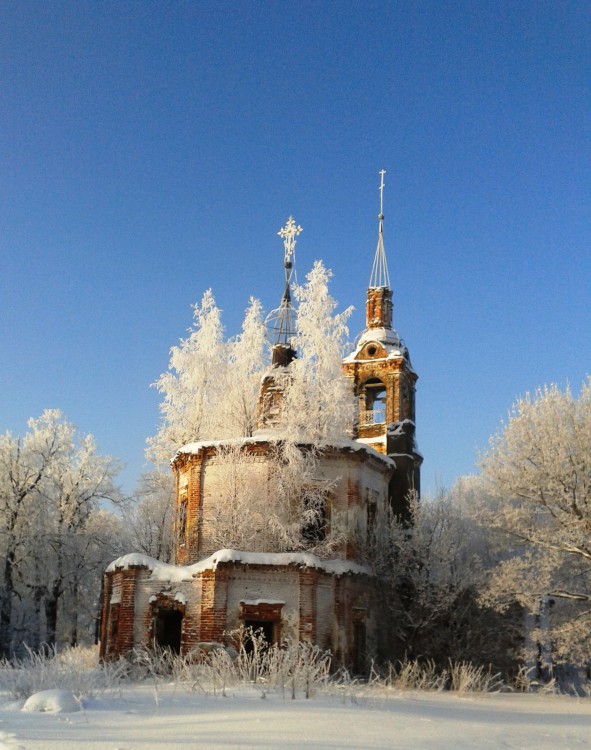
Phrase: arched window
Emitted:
{"points": [[314, 519], [181, 521], [373, 402]]}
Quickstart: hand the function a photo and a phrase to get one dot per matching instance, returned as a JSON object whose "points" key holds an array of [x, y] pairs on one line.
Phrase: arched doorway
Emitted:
{"points": [[167, 629]]}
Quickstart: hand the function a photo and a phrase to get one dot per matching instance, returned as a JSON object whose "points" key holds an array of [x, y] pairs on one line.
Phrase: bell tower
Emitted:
{"points": [[384, 381]]}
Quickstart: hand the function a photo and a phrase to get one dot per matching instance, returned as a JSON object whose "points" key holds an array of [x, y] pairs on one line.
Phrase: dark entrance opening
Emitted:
{"points": [[359, 648], [167, 629], [264, 629]]}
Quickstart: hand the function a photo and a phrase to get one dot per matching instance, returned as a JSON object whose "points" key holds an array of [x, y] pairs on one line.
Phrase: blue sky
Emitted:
{"points": [[151, 150]]}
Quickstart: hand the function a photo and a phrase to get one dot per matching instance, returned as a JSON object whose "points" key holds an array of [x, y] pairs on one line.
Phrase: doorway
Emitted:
{"points": [[359, 648], [167, 630]]}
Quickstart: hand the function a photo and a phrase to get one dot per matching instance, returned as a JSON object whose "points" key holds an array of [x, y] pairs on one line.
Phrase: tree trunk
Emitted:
{"points": [[73, 607], [51, 603], [6, 605], [35, 635]]}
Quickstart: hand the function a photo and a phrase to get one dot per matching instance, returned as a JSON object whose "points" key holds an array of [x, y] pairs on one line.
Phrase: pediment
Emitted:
{"points": [[372, 350]]}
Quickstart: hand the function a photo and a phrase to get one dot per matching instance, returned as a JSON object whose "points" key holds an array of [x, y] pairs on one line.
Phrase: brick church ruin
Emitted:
{"points": [[330, 600]]}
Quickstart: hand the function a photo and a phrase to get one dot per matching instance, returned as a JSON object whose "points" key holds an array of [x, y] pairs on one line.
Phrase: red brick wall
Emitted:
{"points": [[308, 610], [214, 596], [378, 307]]}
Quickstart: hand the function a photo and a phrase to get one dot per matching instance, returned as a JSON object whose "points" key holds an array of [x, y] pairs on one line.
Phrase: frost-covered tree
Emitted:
{"points": [[77, 481], [318, 404], [51, 483], [209, 390], [193, 385], [149, 516], [301, 519], [247, 359], [537, 474], [429, 562], [432, 567], [24, 465], [99, 541]]}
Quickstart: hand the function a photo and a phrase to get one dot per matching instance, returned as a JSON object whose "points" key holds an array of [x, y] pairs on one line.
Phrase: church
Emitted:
{"points": [[328, 599]]}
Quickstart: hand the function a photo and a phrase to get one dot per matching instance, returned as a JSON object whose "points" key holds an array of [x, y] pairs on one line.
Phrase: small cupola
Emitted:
{"points": [[281, 331], [281, 322]]}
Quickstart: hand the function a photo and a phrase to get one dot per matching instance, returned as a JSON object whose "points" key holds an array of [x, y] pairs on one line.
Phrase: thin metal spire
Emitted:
{"points": [[281, 322], [379, 272]]}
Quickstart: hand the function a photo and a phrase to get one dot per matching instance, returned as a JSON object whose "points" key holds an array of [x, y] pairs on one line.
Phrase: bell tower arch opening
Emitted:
{"points": [[373, 402]]}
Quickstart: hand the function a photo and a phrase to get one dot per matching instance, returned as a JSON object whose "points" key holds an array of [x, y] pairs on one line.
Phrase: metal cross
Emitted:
{"points": [[289, 232], [382, 173]]}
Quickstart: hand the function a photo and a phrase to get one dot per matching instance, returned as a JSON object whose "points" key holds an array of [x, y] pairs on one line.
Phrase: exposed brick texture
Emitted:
{"points": [[378, 307]]}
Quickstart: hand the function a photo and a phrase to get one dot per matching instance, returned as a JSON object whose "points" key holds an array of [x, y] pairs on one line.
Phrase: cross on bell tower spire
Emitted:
{"points": [[379, 272], [378, 309]]}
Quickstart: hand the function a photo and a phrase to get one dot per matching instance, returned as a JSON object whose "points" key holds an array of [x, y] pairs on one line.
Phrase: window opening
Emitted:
{"points": [[371, 520], [314, 521], [375, 401], [264, 629], [182, 520]]}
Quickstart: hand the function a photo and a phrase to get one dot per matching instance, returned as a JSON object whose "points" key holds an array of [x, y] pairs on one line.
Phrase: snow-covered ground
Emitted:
{"points": [[136, 719]]}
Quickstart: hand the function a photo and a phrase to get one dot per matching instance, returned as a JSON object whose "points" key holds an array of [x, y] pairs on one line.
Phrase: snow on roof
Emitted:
{"points": [[176, 573], [197, 445], [383, 335], [387, 338], [377, 440], [274, 437]]}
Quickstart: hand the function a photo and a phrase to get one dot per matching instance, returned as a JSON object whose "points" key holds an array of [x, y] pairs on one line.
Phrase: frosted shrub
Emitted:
{"points": [[74, 669], [298, 666], [346, 685], [526, 682], [217, 669], [415, 675], [467, 678], [292, 668], [251, 664], [155, 663], [426, 675]]}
